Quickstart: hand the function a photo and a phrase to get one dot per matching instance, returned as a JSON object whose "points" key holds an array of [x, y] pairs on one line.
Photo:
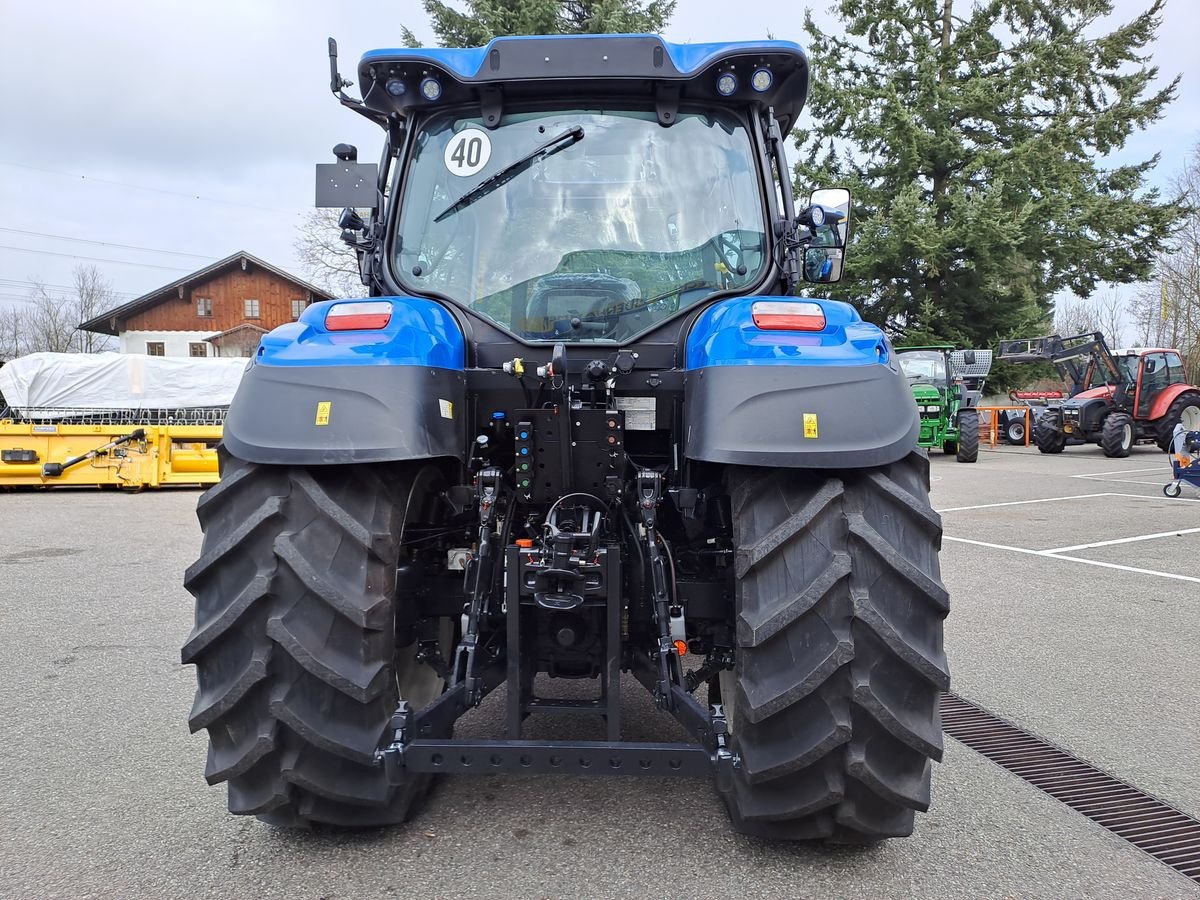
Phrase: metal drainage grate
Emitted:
{"points": [[1170, 836]]}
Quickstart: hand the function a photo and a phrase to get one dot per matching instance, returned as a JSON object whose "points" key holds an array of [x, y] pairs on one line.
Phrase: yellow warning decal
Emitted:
{"points": [[323, 407], [810, 425]]}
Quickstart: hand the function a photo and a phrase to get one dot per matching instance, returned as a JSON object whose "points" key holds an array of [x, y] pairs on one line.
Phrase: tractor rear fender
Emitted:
{"points": [[312, 395], [760, 395], [1166, 397]]}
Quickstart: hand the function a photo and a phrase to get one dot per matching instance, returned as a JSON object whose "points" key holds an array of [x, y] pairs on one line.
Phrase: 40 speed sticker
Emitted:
{"points": [[467, 152]]}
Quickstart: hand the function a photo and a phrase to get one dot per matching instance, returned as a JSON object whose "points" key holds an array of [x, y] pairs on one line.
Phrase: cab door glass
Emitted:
{"points": [[1175, 373], [1154, 378]]}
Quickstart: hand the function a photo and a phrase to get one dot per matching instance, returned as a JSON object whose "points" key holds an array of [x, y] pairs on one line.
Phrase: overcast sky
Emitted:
{"points": [[193, 127]]}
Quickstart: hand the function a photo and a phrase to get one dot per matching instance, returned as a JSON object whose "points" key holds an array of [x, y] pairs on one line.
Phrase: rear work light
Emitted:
{"points": [[788, 315], [368, 315]]}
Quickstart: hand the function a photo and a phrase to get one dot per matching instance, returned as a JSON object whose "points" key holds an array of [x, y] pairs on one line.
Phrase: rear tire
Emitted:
{"points": [[968, 436], [1047, 434], [839, 651], [295, 639], [1116, 435], [1184, 409]]}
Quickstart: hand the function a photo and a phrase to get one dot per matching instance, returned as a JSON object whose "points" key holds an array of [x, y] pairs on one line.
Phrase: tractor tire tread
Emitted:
{"points": [[1112, 435], [294, 639], [836, 707], [1166, 425], [968, 436], [1047, 436]]}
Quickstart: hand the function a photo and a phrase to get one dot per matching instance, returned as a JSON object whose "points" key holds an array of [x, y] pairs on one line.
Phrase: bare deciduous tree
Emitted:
{"points": [[49, 322], [328, 262], [93, 296], [1104, 313], [13, 339], [1166, 311]]}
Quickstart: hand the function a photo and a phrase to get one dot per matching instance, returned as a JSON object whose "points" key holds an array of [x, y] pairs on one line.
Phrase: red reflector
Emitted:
{"points": [[784, 315], [366, 316], [369, 322]]}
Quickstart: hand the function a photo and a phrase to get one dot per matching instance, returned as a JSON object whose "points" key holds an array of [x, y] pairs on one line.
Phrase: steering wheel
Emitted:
{"points": [[731, 252]]}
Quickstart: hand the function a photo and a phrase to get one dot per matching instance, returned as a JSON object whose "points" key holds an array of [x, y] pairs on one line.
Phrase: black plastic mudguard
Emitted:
{"points": [[330, 415], [825, 417]]}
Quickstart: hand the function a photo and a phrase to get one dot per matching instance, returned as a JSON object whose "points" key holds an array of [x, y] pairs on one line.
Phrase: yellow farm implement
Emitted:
{"points": [[111, 451]]}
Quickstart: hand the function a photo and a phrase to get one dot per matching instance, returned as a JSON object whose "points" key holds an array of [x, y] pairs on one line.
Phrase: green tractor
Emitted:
{"points": [[946, 385]]}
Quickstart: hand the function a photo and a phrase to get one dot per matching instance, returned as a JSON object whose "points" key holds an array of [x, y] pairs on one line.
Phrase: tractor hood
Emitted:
{"points": [[760, 74], [923, 392]]}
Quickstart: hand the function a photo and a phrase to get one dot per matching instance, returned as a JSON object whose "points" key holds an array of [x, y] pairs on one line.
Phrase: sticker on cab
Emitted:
{"points": [[323, 408], [810, 425], [467, 152]]}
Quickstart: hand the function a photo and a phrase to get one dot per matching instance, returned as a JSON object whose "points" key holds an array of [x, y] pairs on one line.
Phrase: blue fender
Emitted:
{"points": [[828, 398], [312, 396]]}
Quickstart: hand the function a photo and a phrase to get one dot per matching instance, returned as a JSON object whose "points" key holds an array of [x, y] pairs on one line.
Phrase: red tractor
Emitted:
{"points": [[1117, 398]]}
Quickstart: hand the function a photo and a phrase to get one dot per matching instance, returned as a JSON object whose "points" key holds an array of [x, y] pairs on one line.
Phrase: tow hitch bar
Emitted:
{"points": [[406, 754]]}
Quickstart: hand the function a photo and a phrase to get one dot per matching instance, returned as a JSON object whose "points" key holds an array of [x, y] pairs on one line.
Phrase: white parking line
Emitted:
{"points": [[1118, 472], [1126, 540], [1046, 554], [1163, 480], [1159, 499], [1020, 502]]}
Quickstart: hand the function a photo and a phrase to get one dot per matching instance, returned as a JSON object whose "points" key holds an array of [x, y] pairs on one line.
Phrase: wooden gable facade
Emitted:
{"points": [[240, 290], [272, 303]]}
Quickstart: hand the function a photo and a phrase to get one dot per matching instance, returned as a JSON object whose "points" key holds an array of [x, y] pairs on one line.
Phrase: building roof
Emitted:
{"points": [[236, 328], [106, 323]]}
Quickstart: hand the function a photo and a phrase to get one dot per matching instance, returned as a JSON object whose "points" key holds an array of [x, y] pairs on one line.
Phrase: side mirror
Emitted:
{"points": [[350, 219], [822, 265], [836, 204], [1151, 366]]}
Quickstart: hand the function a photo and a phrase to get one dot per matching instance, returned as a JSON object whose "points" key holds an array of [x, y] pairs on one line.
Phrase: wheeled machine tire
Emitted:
{"points": [[1048, 437], [968, 436], [839, 662], [1014, 431], [1116, 435], [295, 643], [1186, 409], [1172, 489]]}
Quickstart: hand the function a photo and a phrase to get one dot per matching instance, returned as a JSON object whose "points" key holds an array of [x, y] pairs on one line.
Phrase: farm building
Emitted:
{"points": [[220, 310]]}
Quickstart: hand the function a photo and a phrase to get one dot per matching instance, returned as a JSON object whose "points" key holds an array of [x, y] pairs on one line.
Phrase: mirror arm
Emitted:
{"points": [[337, 82], [793, 244]]}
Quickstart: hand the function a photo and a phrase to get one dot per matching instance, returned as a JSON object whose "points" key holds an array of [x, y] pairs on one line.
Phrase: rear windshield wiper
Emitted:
{"points": [[572, 135]]}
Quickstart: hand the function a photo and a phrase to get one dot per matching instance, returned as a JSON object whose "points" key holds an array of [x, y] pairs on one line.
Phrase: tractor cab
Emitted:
{"points": [[1144, 372], [583, 190]]}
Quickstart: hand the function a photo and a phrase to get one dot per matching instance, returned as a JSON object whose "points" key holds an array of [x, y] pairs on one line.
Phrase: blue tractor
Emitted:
{"points": [[581, 435]]}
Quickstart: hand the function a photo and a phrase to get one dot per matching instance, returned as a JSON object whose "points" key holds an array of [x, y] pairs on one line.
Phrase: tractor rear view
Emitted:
{"points": [[1117, 399], [946, 385], [582, 427]]}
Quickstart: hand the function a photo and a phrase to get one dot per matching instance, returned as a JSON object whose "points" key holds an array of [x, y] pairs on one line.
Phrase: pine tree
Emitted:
{"points": [[486, 19], [974, 138]]}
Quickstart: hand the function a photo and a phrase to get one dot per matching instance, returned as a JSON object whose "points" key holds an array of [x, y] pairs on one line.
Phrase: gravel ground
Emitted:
{"points": [[102, 793]]}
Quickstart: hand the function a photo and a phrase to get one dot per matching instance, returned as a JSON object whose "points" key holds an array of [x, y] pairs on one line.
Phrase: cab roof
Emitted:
{"points": [[543, 66]]}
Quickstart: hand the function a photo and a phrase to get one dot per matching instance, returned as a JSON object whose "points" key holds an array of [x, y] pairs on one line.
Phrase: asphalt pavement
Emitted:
{"points": [[1092, 647]]}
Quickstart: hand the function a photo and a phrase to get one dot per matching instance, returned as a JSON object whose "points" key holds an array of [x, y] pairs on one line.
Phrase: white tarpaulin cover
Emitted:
{"points": [[117, 381]]}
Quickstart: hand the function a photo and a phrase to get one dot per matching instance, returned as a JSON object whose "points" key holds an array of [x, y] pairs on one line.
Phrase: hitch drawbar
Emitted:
{"points": [[53, 470], [524, 757]]}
